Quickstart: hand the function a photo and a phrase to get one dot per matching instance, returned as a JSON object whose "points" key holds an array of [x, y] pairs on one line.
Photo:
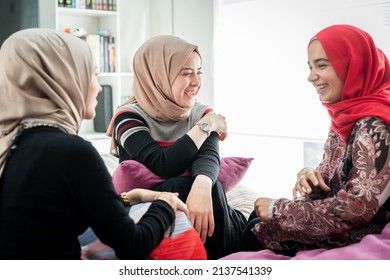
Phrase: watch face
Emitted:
{"points": [[204, 127]]}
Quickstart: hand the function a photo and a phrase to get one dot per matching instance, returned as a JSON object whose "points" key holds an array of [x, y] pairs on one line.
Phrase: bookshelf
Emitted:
{"points": [[133, 22], [90, 20]]}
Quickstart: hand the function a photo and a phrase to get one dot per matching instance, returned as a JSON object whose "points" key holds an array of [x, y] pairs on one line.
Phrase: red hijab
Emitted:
{"points": [[365, 71]]}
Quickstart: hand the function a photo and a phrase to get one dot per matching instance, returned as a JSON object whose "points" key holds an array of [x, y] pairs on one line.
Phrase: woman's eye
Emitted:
{"points": [[322, 66], [187, 74]]}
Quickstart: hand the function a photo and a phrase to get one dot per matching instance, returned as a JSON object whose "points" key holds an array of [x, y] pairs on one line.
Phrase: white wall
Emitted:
{"points": [[193, 20], [261, 79]]}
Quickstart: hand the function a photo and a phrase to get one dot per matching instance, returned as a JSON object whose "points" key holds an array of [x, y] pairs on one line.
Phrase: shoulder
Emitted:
{"points": [[372, 125], [199, 110], [130, 112], [68, 144], [55, 147], [371, 131]]}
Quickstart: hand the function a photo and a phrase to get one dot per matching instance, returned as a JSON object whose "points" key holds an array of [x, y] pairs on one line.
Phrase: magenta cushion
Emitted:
{"points": [[131, 174], [371, 247]]}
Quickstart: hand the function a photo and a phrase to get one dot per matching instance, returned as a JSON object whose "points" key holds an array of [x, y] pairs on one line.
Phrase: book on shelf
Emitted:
{"points": [[111, 55], [102, 45], [103, 51], [105, 5], [68, 3]]}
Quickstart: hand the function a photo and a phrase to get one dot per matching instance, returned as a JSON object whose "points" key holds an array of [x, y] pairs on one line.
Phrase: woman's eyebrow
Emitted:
{"points": [[318, 60], [189, 68], [321, 60]]}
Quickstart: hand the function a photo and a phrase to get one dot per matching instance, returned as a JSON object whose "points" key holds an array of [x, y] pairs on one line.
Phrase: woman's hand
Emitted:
{"points": [[217, 123], [136, 196], [261, 207], [308, 178], [200, 207]]}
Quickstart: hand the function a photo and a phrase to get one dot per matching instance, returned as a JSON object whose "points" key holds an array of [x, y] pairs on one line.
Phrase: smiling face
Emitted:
{"points": [[187, 84], [323, 76]]}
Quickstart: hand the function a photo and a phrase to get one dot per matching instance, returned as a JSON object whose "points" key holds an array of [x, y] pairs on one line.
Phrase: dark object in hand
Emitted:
{"points": [[318, 193]]}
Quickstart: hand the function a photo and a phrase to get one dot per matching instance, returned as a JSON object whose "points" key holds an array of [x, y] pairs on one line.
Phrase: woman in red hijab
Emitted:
{"points": [[347, 196]]}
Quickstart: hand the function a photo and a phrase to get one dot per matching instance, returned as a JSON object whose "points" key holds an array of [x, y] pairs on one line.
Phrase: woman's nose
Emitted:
{"points": [[312, 76], [195, 81]]}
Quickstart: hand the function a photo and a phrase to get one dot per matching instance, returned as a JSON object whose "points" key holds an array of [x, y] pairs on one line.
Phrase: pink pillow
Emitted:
{"points": [[131, 174]]}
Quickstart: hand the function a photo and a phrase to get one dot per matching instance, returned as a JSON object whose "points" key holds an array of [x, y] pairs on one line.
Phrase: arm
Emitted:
{"points": [[310, 179], [100, 207], [199, 201], [134, 139]]}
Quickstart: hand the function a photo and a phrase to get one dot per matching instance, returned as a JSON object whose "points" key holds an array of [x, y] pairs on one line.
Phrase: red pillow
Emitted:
{"points": [[131, 174]]}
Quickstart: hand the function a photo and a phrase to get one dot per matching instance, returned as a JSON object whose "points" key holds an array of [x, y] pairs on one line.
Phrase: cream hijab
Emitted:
{"points": [[156, 64], [45, 76]]}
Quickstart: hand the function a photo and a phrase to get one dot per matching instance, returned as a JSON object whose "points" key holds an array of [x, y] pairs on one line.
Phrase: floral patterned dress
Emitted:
{"points": [[358, 204]]}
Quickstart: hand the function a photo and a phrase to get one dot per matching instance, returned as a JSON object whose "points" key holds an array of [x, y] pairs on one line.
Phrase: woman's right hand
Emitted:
{"points": [[308, 178], [173, 200], [217, 123]]}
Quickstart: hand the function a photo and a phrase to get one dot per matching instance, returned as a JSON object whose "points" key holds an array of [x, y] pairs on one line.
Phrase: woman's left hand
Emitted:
{"points": [[261, 207], [138, 195], [200, 207]]}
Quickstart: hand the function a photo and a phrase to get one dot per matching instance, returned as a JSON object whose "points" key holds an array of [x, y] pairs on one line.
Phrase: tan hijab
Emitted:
{"points": [[44, 75], [156, 65]]}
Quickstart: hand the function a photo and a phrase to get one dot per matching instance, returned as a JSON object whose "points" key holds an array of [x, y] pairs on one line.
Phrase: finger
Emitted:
{"points": [[203, 233], [302, 187], [192, 218], [211, 225], [295, 192], [312, 177], [182, 207], [322, 183], [198, 227]]}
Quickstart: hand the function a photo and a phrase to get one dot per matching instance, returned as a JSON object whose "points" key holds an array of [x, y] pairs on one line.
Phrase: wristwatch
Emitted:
{"points": [[205, 127]]}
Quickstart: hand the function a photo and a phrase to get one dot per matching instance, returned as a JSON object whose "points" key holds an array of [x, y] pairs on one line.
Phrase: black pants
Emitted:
{"points": [[250, 241], [229, 223]]}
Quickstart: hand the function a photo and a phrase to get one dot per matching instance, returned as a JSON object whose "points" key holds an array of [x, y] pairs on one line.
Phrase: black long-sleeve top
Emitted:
{"points": [[53, 187], [166, 159]]}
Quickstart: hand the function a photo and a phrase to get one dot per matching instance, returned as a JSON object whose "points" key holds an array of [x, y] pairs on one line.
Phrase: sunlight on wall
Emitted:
{"points": [[260, 79]]}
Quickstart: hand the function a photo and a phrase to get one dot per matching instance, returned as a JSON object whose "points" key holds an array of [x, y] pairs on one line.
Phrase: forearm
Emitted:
{"points": [[166, 162], [207, 160]]}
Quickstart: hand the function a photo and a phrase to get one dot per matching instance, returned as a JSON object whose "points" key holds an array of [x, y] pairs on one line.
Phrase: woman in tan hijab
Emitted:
{"points": [[53, 184], [166, 129]]}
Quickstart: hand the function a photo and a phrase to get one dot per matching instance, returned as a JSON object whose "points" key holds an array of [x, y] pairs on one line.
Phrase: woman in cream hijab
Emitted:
{"points": [[165, 128], [53, 184]]}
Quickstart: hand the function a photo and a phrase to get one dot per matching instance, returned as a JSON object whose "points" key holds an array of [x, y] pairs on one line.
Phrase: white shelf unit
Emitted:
{"points": [[131, 24], [90, 21]]}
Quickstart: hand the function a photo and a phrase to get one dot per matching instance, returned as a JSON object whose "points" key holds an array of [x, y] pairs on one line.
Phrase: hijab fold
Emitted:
{"points": [[365, 71], [45, 76]]}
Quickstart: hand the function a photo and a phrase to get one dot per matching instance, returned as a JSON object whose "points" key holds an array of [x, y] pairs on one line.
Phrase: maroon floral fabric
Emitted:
{"points": [[358, 173]]}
